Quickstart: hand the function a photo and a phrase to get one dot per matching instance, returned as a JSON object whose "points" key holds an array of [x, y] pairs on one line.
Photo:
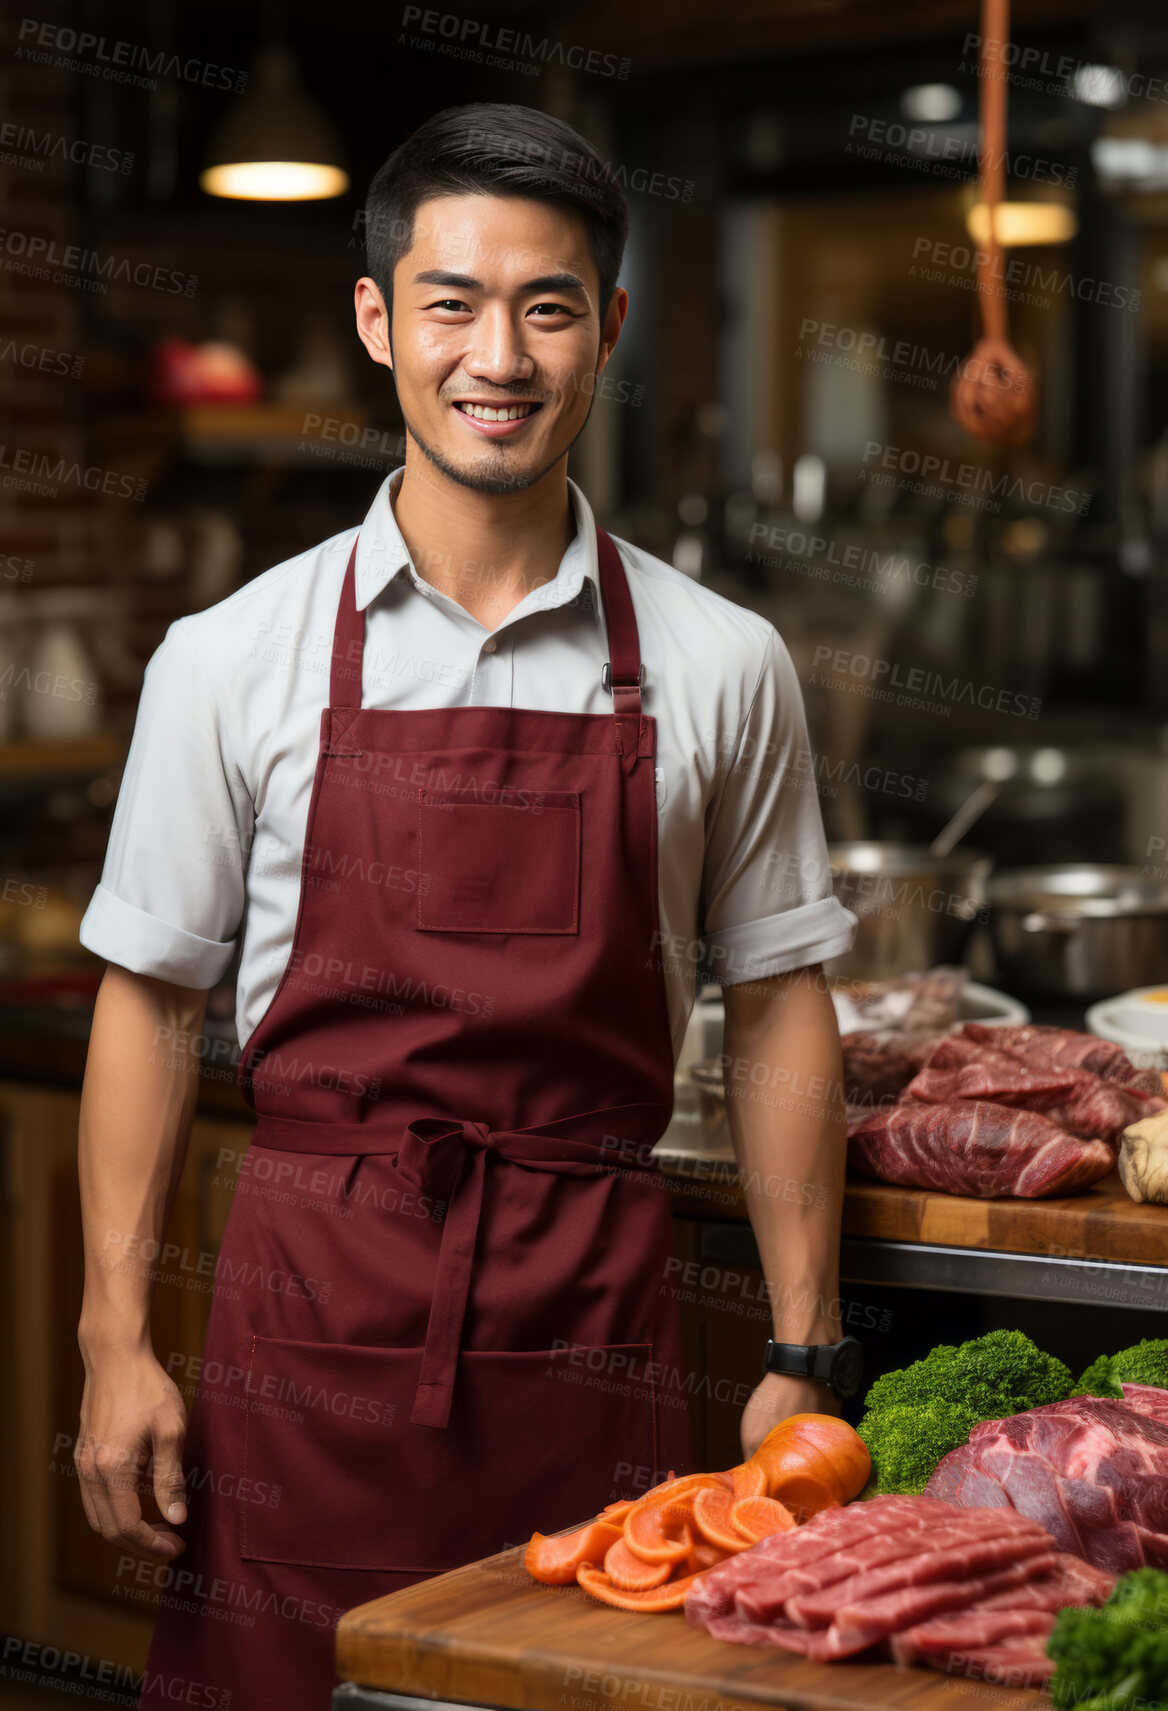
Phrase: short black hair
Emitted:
{"points": [[494, 148]]}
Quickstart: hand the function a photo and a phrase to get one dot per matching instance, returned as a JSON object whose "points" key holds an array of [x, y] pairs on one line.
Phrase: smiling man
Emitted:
{"points": [[469, 787]]}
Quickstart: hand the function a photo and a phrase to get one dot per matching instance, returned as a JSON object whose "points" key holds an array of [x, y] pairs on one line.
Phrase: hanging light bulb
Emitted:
{"points": [[275, 143]]}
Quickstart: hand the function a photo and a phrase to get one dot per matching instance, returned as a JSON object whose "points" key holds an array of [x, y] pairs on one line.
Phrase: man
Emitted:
{"points": [[470, 847]]}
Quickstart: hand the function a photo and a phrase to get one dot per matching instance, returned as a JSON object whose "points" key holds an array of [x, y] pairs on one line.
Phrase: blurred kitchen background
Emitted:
{"points": [[186, 404]]}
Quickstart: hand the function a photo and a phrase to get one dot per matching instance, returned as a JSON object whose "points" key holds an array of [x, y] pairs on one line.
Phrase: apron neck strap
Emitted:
{"points": [[622, 674]]}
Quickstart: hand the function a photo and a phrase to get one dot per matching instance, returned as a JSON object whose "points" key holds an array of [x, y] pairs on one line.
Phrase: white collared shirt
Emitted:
{"points": [[205, 848]]}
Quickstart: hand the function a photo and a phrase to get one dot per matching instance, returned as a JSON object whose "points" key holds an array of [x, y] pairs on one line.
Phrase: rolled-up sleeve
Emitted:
{"points": [[171, 898], [767, 900]]}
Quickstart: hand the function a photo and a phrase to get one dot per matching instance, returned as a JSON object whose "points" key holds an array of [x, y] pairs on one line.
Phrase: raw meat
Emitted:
{"points": [[1064, 1048], [1093, 1471], [1079, 1102], [975, 1147], [909, 1577], [1147, 1399], [878, 1063]]}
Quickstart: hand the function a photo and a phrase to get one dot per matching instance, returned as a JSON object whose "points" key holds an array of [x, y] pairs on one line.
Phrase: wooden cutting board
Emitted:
{"points": [[486, 1634]]}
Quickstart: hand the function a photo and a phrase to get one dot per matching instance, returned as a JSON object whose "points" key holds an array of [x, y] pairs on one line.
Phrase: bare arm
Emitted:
{"points": [[137, 1105], [784, 1076]]}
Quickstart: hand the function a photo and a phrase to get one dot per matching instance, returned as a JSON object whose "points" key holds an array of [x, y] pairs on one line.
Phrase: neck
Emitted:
{"points": [[485, 550]]}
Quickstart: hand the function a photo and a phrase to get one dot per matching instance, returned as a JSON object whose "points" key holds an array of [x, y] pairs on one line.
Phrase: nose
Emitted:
{"points": [[496, 351]]}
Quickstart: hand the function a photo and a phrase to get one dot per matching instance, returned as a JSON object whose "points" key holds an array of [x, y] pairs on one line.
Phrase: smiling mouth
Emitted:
{"points": [[496, 412]]}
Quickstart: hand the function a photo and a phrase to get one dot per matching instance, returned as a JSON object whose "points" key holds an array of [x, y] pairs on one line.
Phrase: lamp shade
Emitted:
{"points": [[274, 144]]}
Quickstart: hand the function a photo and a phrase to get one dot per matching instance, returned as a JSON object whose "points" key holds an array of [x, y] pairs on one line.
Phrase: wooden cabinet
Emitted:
{"points": [[60, 1582]]}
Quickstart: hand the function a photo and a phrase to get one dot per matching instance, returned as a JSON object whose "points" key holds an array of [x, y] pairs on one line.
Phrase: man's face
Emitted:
{"points": [[497, 338]]}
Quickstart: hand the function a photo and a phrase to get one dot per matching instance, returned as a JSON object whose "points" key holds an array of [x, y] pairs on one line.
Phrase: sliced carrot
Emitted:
{"points": [[758, 1517], [554, 1558], [704, 1555], [670, 1490], [749, 1479], [661, 1533], [670, 1596], [632, 1573], [713, 1517], [617, 1511]]}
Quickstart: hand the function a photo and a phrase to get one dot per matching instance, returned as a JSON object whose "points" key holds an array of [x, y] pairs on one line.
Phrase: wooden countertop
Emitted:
{"points": [[486, 1634], [1102, 1224]]}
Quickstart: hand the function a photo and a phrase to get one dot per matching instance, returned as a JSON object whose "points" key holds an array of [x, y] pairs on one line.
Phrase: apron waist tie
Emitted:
{"points": [[446, 1157]]}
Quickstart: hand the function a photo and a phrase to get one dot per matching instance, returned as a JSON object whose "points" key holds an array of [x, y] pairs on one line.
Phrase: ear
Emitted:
{"points": [[373, 321]]}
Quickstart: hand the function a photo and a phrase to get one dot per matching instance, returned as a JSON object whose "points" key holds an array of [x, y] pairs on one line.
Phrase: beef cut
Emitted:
{"points": [[879, 1062], [1064, 1048], [1081, 1103], [975, 1147], [914, 1578], [1091, 1470]]}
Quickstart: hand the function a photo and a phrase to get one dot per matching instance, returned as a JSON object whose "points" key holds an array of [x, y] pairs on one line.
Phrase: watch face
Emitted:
{"points": [[847, 1369]]}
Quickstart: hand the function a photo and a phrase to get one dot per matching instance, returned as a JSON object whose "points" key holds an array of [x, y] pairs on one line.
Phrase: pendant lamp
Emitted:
{"points": [[275, 143]]}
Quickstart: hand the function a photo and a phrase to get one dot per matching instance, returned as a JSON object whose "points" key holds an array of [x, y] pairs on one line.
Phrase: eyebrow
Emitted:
{"points": [[465, 282]]}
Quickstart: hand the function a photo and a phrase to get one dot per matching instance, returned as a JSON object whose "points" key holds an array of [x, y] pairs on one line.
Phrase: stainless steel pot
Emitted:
{"points": [[915, 909], [1078, 929]]}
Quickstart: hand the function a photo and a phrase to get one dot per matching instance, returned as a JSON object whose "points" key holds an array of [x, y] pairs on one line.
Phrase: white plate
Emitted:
{"points": [[1134, 1023]]}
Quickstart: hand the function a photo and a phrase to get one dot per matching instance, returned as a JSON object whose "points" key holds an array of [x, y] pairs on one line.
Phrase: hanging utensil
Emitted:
{"points": [[993, 394]]}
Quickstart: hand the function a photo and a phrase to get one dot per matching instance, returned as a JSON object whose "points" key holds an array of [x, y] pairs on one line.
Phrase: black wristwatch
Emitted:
{"points": [[838, 1365]]}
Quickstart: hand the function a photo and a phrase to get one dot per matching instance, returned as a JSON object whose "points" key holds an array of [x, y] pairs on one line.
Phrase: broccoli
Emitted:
{"points": [[916, 1415], [907, 1440], [1114, 1658], [1143, 1363]]}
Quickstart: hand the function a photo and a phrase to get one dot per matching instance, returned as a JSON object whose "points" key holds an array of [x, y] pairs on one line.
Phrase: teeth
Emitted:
{"points": [[485, 413]]}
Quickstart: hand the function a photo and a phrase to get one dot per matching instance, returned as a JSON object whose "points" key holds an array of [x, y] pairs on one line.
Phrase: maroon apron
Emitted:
{"points": [[442, 1314]]}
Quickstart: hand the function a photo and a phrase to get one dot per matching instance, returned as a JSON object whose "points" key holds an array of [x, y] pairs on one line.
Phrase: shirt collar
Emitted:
{"points": [[382, 554]]}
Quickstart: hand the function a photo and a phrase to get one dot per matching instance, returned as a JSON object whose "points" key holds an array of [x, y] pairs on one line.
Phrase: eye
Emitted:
{"points": [[553, 309], [453, 304]]}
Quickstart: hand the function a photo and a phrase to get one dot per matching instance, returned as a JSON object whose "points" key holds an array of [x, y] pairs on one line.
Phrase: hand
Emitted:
{"points": [[131, 1411], [775, 1398]]}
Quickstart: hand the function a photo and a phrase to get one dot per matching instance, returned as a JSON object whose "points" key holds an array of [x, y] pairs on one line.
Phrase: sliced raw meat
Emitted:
{"points": [[977, 1148], [1020, 1663], [783, 1594], [782, 1553], [859, 1625], [966, 1629], [951, 1554]]}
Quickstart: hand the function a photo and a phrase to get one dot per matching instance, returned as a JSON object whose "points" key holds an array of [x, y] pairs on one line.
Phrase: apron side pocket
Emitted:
{"points": [[538, 1440]]}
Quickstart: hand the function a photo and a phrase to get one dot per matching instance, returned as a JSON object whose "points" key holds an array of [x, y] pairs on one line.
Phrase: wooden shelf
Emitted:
{"points": [[26, 756]]}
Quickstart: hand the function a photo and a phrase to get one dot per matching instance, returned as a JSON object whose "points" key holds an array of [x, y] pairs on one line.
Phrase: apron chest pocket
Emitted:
{"points": [[538, 1440], [509, 863]]}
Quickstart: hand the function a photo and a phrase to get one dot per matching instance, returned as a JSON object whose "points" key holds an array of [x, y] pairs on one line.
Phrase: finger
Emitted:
{"points": [[169, 1485], [87, 1502], [120, 1474]]}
